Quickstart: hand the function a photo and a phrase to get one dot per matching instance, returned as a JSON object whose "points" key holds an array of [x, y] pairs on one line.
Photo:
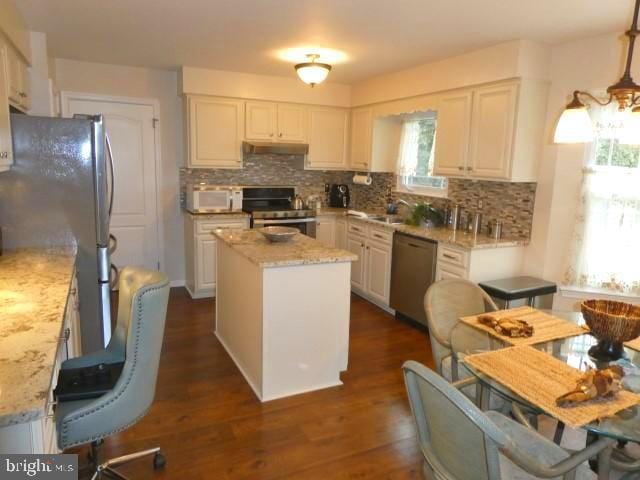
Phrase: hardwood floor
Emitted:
{"points": [[210, 425]]}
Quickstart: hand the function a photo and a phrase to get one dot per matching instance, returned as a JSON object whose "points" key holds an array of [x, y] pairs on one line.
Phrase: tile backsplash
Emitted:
{"points": [[510, 202]]}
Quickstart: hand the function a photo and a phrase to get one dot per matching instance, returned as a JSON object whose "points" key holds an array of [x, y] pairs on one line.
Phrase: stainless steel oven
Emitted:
{"points": [[306, 225]]}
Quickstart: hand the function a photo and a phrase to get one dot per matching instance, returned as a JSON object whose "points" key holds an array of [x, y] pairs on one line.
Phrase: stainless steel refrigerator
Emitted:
{"points": [[60, 192]]}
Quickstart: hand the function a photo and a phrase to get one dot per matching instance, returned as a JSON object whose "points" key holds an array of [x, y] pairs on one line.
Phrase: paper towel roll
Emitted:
{"points": [[362, 179]]}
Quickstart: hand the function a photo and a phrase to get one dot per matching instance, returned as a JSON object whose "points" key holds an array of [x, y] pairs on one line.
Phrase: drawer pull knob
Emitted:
{"points": [[446, 255]]}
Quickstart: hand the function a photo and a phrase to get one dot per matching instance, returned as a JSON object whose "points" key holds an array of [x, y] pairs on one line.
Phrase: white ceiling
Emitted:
{"points": [[378, 36]]}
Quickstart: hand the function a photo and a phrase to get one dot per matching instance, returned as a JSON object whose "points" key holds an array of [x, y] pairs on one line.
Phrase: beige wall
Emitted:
{"points": [[14, 27], [263, 87], [587, 64], [518, 58], [149, 83]]}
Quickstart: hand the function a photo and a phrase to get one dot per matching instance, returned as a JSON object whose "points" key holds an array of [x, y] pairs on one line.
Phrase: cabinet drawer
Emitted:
{"points": [[357, 229], [446, 270], [381, 235], [206, 227], [452, 256]]}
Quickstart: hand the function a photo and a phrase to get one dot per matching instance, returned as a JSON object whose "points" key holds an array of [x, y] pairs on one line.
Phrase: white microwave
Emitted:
{"points": [[213, 198]]}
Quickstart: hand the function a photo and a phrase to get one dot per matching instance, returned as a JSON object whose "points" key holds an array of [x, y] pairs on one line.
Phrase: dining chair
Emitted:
{"points": [[459, 441], [444, 303]]}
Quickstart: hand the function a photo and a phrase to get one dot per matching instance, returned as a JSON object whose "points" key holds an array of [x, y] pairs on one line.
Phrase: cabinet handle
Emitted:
{"points": [[271, 134], [378, 236], [446, 255], [367, 247], [23, 95], [461, 168], [4, 154], [470, 169], [280, 135]]}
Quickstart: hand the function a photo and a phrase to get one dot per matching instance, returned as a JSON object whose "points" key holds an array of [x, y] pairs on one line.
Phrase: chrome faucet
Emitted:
{"points": [[405, 203]]}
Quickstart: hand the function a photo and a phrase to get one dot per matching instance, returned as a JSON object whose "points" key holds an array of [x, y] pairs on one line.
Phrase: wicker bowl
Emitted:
{"points": [[612, 321]]}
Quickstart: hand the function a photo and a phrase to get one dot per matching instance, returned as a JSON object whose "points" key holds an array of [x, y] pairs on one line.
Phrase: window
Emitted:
{"points": [[416, 155], [605, 252]]}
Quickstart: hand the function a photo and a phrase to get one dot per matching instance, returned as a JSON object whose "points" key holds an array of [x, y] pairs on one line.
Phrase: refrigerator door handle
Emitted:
{"points": [[113, 279], [111, 171]]}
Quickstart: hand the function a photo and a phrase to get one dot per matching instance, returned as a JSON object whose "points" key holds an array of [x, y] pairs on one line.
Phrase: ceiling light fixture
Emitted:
{"points": [[312, 72], [575, 125]]}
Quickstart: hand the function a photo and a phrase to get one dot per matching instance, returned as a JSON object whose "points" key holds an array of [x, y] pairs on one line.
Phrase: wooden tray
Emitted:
{"points": [[540, 378], [545, 327]]}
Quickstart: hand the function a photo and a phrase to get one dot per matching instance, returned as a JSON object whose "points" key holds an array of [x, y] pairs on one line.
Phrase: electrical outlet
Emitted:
{"points": [[480, 204]]}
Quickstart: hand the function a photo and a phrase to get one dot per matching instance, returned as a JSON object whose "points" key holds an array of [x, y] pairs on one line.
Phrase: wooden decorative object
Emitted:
{"points": [[612, 323]]}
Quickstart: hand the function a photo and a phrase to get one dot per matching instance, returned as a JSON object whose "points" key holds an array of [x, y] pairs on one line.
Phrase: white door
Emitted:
{"points": [[356, 245], [378, 271], [292, 123], [452, 135], [134, 219], [494, 111]]}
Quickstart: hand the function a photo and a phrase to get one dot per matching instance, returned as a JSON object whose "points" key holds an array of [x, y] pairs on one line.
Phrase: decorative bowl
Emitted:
{"points": [[612, 323], [279, 234]]}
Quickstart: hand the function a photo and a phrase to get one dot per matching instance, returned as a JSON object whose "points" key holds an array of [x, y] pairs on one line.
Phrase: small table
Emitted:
{"points": [[515, 288], [625, 425]]}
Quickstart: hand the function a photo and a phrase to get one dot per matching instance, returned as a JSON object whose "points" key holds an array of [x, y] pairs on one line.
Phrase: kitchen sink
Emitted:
{"points": [[388, 219]]}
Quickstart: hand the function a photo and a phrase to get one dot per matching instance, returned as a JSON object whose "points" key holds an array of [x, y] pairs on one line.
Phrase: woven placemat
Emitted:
{"points": [[545, 327], [540, 378], [633, 344]]}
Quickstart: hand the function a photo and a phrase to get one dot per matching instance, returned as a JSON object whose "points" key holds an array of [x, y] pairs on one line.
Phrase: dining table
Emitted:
{"points": [[574, 351]]}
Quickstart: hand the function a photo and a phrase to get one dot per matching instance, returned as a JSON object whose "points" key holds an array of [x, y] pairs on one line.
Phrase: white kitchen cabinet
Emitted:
{"points": [[328, 138], [493, 132], [275, 122], [341, 233], [375, 141], [19, 86], [371, 274], [261, 119], [6, 149], [215, 130], [378, 271], [452, 134], [361, 138], [326, 230], [356, 244], [201, 248], [292, 123], [479, 264]]}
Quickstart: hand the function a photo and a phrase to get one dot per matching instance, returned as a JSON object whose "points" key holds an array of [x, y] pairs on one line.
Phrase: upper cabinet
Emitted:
{"points": [[492, 132], [374, 141], [328, 138], [19, 87], [215, 130], [452, 134], [275, 122], [6, 151]]}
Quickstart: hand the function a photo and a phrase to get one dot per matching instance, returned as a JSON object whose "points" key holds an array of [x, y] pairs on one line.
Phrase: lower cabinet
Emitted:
{"points": [[200, 250], [480, 264], [326, 230], [371, 273], [341, 233], [39, 436]]}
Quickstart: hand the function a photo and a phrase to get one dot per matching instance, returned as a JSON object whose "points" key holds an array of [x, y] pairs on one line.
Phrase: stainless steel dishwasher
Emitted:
{"points": [[413, 269]]}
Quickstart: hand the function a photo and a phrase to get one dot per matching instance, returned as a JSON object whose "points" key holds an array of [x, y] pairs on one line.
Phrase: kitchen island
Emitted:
{"points": [[282, 311]]}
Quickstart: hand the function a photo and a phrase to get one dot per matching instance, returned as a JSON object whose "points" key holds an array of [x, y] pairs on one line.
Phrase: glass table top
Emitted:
{"points": [[625, 425]]}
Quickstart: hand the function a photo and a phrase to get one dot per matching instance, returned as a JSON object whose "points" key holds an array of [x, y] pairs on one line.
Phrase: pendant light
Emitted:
{"points": [[575, 125], [313, 72]]}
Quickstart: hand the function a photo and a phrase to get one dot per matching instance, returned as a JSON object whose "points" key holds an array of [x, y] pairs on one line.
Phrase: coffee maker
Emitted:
{"points": [[339, 195]]}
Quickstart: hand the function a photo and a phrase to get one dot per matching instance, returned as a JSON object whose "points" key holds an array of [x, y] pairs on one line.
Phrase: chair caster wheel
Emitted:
{"points": [[159, 461]]}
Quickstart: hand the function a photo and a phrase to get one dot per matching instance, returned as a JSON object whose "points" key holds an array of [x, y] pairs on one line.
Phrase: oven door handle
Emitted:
{"points": [[284, 221]]}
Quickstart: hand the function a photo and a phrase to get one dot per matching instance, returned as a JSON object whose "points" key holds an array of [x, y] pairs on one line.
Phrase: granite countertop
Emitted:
{"points": [[34, 286], [300, 250], [439, 234]]}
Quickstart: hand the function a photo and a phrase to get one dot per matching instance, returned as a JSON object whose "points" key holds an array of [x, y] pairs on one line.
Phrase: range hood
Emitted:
{"points": [[268, 148]]}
